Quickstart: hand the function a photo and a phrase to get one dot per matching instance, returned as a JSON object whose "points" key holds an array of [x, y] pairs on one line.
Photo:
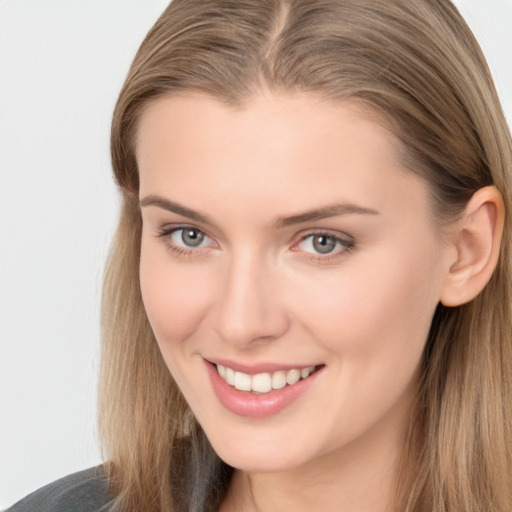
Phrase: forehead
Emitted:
{"points": [[287, 148], [205, 119]]}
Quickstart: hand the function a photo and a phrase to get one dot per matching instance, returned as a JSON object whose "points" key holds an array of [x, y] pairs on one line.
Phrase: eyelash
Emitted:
{"points": [[346, 244], [166, 235], [342, 245]]}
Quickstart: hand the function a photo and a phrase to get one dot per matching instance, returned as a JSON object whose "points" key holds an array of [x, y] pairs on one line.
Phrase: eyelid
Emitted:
{"points": [[345, 241], [166, 232]]}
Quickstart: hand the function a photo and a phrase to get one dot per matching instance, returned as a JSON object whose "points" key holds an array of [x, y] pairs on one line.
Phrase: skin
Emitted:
{"points": [[256, 290]]}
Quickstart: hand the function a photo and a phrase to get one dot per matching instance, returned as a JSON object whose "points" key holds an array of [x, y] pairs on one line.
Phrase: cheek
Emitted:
{"points": [[373, 322], [175, 296], [381, 307]]}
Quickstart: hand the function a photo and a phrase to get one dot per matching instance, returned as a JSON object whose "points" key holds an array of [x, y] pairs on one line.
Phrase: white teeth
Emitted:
{"points": [[263, 382], [278, 380], [292, 377], [304, 373], [230, 376], [242, 381]]}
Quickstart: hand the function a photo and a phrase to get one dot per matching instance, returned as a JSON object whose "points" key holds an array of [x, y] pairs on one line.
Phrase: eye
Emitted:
{"points": [[185, 240], [188, 237], [324, 244]]}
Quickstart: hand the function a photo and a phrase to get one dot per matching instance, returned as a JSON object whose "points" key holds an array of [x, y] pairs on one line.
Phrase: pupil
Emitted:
{"points": [[323, 244], [192, 237]]}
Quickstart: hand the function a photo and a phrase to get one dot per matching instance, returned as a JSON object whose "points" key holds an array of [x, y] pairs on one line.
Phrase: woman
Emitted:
{"points": [[307, 304]]}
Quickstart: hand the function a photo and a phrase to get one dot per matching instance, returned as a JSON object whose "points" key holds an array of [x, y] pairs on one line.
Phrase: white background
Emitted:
{"points": [[62, 63]]}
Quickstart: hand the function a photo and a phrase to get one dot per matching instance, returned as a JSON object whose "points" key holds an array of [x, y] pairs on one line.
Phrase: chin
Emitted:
{"points": [[256, 463], [256, 456]]}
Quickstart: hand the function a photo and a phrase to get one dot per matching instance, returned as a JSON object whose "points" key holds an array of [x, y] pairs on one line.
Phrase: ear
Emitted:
{"points": [[476, 240]]}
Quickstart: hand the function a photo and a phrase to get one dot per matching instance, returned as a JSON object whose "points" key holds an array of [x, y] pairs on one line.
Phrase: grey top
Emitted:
{"points": [[86, 491]]}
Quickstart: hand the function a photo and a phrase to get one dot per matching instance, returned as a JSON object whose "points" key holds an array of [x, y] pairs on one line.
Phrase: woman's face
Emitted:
{"points": [[282, 240]]}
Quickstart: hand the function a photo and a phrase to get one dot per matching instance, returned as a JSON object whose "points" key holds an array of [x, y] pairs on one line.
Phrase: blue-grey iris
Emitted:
{"points": [[323, 244], [192, 237]]}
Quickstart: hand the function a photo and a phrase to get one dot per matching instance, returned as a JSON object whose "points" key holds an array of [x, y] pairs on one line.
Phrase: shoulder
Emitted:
{"points": [[85, 491]]}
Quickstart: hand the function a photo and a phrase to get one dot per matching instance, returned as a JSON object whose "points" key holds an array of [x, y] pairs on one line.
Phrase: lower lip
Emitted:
{"points": [[244, 403]]}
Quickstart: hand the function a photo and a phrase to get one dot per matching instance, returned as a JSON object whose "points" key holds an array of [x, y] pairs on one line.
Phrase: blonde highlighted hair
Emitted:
{"points": [[417, 65]]}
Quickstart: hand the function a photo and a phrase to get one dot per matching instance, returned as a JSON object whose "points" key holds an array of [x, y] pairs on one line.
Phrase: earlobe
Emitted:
{"points": [[476, 239]]}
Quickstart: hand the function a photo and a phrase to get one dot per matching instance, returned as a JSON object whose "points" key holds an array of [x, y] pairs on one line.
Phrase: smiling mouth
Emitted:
{"points": [[261, 383]]}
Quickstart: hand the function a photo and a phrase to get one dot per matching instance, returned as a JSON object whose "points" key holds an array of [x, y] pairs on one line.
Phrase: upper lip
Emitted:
{"points": [[255, 368]]}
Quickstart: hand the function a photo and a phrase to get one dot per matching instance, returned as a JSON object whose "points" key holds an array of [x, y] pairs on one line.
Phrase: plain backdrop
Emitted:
{"points": [[62, 63]]}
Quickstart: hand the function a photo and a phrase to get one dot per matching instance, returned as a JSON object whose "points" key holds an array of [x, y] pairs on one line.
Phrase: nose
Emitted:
{"points": [[248, 309]]}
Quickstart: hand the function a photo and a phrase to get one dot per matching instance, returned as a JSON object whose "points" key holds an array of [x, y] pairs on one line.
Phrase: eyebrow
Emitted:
{"points": [[332, 210], [173, 207]]}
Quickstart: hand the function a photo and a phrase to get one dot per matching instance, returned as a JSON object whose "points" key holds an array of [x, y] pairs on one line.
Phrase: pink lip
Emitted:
{"points": [[243, 403], [254, 369]]}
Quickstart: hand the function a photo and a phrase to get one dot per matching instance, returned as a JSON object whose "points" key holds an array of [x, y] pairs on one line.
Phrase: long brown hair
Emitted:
{"points": [[415, 63]]}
